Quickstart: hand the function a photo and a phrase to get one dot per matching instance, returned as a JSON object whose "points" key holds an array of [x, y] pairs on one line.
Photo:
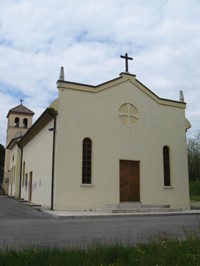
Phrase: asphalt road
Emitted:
{"points": [[22, 226]]}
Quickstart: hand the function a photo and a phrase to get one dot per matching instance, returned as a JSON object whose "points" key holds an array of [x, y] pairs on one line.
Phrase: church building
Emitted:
{"points": [[97, 145]]}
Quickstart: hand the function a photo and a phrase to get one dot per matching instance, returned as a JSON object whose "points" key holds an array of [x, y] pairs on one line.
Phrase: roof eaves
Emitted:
{"points": [[13, 142], [94, 87], [160, 100], [40, 123]]}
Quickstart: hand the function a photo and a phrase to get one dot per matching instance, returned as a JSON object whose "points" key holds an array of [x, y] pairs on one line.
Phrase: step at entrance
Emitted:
{"points": [[136, 207]]}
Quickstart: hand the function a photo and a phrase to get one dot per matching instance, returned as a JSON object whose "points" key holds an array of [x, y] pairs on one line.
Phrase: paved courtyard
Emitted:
{"points": [[22, 226]]}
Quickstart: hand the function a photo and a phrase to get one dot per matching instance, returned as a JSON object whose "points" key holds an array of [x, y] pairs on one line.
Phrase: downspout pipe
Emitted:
{"points": [[53, 161], [20, 174]]}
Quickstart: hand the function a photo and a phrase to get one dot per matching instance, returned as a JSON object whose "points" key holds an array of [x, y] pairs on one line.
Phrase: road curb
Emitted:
{"points": [[69, 215]]}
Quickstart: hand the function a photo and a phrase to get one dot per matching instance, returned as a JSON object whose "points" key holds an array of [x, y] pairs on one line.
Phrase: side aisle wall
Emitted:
{"points": [[37, 168], [14, 172]]}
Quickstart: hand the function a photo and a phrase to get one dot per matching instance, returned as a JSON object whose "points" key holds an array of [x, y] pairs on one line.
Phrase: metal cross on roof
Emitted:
{"points": [[126, 57]]}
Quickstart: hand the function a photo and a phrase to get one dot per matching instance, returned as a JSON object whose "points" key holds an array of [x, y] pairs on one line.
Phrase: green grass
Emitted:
{"points": [[160, 253]]}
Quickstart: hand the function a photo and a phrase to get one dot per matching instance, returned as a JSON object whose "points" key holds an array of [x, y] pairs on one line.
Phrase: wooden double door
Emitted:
{"points": [[129, 180]]}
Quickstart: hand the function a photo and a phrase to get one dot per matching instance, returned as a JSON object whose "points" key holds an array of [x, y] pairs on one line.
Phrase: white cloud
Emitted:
{"points": [[87, 38]]}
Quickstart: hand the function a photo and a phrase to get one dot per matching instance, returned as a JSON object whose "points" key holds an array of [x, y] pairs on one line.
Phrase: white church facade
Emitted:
{"points": [[106, 144]]}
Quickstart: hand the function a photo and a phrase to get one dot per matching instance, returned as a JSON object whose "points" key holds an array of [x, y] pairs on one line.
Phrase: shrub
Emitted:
{"points": [[195, 189]]}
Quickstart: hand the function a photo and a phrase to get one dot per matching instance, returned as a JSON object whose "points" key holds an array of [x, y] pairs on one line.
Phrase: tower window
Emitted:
{"points": [[25, 122], [16, 121], [87, 161]]}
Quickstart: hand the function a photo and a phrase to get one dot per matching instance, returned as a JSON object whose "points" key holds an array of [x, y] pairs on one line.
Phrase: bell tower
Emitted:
{"points": [[19, 121]]}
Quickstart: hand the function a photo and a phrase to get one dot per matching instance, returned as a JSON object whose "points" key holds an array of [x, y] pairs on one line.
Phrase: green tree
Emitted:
{"points": [[2, 156], [194, 157]]}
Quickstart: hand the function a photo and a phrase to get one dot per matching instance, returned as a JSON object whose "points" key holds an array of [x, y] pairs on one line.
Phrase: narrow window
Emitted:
{"points": [[166, 166], [16, 121], [14, 174], [87, 161], [25, 122], [26, 181], [23, 174]]}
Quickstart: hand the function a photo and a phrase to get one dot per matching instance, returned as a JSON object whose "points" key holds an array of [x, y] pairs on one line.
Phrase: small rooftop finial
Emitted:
{"points": [[181, 97], [21, 101], [62, 75]]}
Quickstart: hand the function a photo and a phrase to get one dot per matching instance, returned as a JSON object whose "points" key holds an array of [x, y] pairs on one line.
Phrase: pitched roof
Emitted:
{"points": [[20, 109]]}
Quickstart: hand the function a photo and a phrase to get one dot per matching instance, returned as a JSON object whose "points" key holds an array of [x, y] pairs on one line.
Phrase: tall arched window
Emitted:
{"points": [[16, 121], [25, 122], [166, 166], [87, 161]]}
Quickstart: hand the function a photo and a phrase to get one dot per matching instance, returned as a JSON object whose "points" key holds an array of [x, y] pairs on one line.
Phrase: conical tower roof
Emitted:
{"points": [[20, 109]]}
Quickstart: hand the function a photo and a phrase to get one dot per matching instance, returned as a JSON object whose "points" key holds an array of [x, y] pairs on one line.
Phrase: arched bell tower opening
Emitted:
{"points": [[16, 121], [19, 121], [25, 122]]}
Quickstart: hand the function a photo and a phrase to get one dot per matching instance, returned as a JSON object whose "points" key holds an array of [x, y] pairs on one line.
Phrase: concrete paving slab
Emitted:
{"points": [[11, 207]]}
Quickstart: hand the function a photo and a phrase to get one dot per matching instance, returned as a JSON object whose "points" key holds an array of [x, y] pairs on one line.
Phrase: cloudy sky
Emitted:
{"points": [[87, 37]]}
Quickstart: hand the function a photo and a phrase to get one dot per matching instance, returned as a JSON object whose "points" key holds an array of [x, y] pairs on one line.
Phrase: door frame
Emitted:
{"points": [[130, 179]]}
